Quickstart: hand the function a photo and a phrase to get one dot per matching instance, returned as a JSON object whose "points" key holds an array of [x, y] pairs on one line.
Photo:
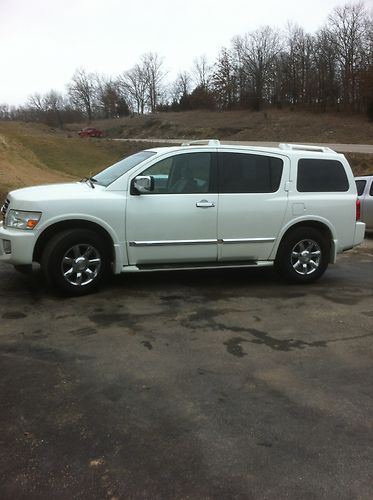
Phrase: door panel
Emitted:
{"points": [[249, 222], [170, 228], [177, 221]]}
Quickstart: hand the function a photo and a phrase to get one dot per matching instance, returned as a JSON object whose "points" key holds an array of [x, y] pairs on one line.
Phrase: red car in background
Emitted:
{"points": [[90, 132]]}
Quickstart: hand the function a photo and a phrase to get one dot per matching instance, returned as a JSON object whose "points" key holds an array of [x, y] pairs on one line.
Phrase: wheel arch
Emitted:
{"points": [[60, 226], [322, 227]]}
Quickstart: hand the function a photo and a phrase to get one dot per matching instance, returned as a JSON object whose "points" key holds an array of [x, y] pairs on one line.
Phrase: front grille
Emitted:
{"points": [[4, 208]]}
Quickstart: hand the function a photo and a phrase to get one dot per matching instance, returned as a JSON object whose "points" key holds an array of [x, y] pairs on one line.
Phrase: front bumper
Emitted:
{"points": [[16, 245]]}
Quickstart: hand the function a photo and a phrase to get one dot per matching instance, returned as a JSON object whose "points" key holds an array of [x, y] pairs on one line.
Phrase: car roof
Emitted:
{"points": [[282, 149]]}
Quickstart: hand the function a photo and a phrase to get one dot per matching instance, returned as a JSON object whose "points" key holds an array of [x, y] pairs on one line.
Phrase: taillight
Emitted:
{"points": [[357, 209]]}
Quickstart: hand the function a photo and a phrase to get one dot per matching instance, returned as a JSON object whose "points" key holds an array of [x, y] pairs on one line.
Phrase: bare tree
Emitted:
{"points": [[110, 99], [134, 86], [297, 65], [54, 104], [258, 51], [36, 102], [180, 90], [152, 68], [346, 30], [142, 85], [82, 91], [202, 72], [49, 108]]}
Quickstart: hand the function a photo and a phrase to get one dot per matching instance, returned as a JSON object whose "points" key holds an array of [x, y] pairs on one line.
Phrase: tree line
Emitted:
{"points": [[331, 69]]}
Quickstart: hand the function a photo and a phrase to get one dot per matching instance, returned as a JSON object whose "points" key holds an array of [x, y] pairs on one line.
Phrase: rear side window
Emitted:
{"points": [[360, 186], [371, 189], [318, 175], [247, 173]]}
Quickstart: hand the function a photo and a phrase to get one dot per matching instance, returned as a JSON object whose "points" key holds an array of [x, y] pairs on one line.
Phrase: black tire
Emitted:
{"points": [[303, 256], [75, 262]]}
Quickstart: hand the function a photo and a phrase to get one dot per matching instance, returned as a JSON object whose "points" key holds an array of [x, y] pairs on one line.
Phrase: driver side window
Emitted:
{"points": [[185, 174]]}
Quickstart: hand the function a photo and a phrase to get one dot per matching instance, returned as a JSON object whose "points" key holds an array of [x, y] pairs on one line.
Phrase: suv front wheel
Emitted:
{"points": [[75, 261], [303, 255]]}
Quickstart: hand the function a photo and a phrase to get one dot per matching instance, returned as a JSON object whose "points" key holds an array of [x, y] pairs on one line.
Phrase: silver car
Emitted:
{"points": [[364, 185]]}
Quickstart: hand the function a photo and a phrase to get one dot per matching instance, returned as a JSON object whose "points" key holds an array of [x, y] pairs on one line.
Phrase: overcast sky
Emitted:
{"points": [[42, 42]]}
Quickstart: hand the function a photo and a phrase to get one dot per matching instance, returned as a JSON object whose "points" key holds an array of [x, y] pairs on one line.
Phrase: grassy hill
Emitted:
{"points": [[272, 125], [35, 154], [32, 154]]}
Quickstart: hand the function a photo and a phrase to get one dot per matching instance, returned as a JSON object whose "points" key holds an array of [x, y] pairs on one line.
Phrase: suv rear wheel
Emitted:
{"points": [[75, 261], [303, 255]]}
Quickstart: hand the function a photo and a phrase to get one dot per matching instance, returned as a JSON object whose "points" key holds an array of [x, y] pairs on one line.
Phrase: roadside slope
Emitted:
{"points": [[19, 166], [32, 154], [268, 125]]}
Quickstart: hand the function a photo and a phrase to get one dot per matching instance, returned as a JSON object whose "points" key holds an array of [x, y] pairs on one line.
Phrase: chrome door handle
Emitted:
{"points": [[205, 204]]}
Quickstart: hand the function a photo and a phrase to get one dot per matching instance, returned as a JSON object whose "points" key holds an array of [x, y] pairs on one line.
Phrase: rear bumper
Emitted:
{"points": [[359, 233], [16, 246]]}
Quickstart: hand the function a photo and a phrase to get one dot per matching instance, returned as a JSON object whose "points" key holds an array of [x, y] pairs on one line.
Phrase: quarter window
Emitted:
{"points": [[248, 173], [184, 174], [318, 175], [360, 186], [371, 189]]}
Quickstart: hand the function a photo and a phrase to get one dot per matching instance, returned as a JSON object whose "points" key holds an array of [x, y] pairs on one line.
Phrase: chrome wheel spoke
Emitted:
{"points": [[69, 272], [88, 251], [316, 253], [91, 274], [81, 264], [94, 261], [301, 246], [306, 257]]}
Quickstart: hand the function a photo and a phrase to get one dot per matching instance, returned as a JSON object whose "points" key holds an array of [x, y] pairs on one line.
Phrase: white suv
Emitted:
{"points": [[364, 185], [196, 206]]}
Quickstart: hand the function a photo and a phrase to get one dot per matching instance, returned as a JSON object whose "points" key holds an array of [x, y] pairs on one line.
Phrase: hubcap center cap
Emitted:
{"points": [[305, 256], [80, 264]]}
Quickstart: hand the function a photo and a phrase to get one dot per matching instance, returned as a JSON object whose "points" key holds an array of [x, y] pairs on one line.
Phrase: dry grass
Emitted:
{"points": [[272, 125], [361, 164], [33, 154]]}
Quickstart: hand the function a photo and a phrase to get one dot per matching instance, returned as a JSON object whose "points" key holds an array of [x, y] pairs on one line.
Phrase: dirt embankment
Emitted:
{"points": [[19, 167], [271, 125]]}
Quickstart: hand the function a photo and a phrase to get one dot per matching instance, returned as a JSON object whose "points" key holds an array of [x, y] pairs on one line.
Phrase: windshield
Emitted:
{"points": [[113, 173]]}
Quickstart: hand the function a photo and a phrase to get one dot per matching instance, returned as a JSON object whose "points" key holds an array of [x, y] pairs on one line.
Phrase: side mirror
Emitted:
{"points": [[144, 183]]}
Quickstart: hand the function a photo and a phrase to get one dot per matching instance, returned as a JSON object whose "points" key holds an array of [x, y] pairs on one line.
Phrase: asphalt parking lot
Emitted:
{"points": [[198, 385]]}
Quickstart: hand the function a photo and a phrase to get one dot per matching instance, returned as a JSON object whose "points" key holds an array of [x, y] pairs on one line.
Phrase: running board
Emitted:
{"points": [[196, 266]]}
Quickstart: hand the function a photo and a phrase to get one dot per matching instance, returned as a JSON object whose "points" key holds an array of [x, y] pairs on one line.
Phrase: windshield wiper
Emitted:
{"points": [[90, 181]]}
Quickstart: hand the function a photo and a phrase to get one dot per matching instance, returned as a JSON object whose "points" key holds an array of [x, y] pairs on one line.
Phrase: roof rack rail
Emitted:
{"points": [[306, 147], [202, 142]]}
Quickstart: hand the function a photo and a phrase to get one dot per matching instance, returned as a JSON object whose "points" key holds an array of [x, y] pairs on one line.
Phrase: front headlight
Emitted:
{"points": [[22, 220]]}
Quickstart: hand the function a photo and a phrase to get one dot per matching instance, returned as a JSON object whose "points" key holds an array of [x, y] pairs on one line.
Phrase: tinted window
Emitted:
{"points": [[371, 189], [185, 173], [318, 175], [247, 173], [360, 186]]}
